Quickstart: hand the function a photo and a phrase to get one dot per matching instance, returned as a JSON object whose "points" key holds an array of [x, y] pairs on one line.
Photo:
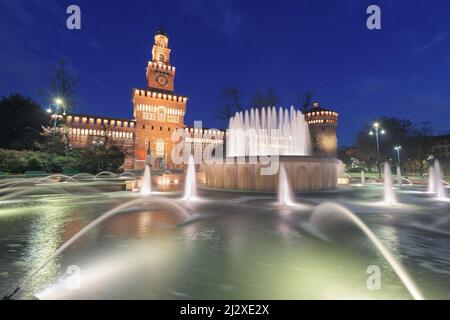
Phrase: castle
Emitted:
{"points": [[158, 111]]}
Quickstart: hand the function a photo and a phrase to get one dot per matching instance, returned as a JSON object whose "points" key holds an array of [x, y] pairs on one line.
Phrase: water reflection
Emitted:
{"points": [[236, 247]]}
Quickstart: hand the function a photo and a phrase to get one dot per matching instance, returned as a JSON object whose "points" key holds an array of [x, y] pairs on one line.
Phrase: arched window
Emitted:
{"points": [[161, 57]]}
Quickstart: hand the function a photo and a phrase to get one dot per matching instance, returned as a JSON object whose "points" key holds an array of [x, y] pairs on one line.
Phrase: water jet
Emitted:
{"points": [[190, 185], [389, 194]]}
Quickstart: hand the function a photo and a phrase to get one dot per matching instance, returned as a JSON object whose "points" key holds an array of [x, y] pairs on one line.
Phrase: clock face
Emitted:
{"points": [[161, 80]]}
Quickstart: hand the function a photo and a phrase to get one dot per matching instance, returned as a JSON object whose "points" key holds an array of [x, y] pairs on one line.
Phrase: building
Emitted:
{"points": [[158, 112], [322, 126], [157, 109], [440, 148]]}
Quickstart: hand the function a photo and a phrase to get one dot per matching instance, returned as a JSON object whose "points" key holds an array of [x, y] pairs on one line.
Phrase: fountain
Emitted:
{"points": [[190, 185], [322, 214], [438, 185], [105, 174], [285, 195], [270, 137], [399, 176], [268, 132], [389, 195], [146, 184], [431, 180], [363, 178], [92, 225]]}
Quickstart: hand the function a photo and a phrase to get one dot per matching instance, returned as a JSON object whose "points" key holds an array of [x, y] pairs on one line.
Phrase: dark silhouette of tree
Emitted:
{"points": [[230, 103], [63, 83], [416, 141], [21, 121], [267, 98], [305, 100], [420, 144], [367, 149]]}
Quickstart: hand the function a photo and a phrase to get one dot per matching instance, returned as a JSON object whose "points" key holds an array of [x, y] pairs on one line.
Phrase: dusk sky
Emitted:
{"points": [[292, 46]]}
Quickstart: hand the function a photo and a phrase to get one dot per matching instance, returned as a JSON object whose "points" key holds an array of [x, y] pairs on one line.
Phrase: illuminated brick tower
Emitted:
{"points": [[322, 126], [157, 110]]}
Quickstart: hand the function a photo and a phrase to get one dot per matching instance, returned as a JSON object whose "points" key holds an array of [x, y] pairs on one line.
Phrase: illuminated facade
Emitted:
{"points": [[157, 110], [322, 126]]}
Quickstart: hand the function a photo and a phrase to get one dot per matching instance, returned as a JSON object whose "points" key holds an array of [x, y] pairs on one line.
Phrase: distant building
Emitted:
{"points": [[440, 148]]}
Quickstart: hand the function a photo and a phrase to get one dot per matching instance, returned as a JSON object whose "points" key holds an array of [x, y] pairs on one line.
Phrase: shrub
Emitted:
{"points": [[12, 161], [65, 163], [34, 163], [84, 160]]}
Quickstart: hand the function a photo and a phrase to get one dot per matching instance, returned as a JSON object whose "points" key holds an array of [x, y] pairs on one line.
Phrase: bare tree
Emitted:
{"points": [[305, 100], [421, 142], [267, 98], [231, 103], [63, 83], [366, 149]]}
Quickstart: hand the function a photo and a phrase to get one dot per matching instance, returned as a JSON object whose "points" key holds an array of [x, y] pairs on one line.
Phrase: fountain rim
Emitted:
{"points": [[287, 158]]}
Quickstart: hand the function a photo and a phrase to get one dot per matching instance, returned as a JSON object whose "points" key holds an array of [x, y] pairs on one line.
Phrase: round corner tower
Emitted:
{"points": [[322, 126]]}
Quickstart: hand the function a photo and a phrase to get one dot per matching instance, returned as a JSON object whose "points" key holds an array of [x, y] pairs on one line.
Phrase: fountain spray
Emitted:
{"points": [[439, 186], [190, 185], [399, 176], [389, 195], [284, 189], [146, 185]]}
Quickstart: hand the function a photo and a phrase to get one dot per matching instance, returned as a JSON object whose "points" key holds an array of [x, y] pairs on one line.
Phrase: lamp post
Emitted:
{"points": [[55, 108], [377, 130], [398, 148], [99, 143]]}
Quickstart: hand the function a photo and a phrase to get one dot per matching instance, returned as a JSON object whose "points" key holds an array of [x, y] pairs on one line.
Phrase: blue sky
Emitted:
{"points": [[292, 46]]}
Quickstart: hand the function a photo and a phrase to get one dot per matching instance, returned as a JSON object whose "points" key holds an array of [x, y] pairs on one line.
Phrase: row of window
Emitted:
{"points": [[98, 121], [153, 128], [93, 132], [160, 117]]}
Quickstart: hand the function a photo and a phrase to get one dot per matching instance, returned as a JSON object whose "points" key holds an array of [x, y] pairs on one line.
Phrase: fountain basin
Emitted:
{"points": [[305, 173]]}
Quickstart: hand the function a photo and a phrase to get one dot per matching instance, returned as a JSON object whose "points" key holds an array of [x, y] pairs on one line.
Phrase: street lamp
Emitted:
{"points": [[56, 108], [377, 130], [97, 143], [398, 148]]}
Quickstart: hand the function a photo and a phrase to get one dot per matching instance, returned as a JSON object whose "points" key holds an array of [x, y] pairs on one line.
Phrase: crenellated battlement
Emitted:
{"points": [[93, 121], [161, 67], [322, 125], [319, 115], [158, 95]]}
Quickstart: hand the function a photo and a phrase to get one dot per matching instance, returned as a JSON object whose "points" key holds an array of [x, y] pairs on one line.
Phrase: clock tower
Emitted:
{"points": [[160, 74], [158, 110]]}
